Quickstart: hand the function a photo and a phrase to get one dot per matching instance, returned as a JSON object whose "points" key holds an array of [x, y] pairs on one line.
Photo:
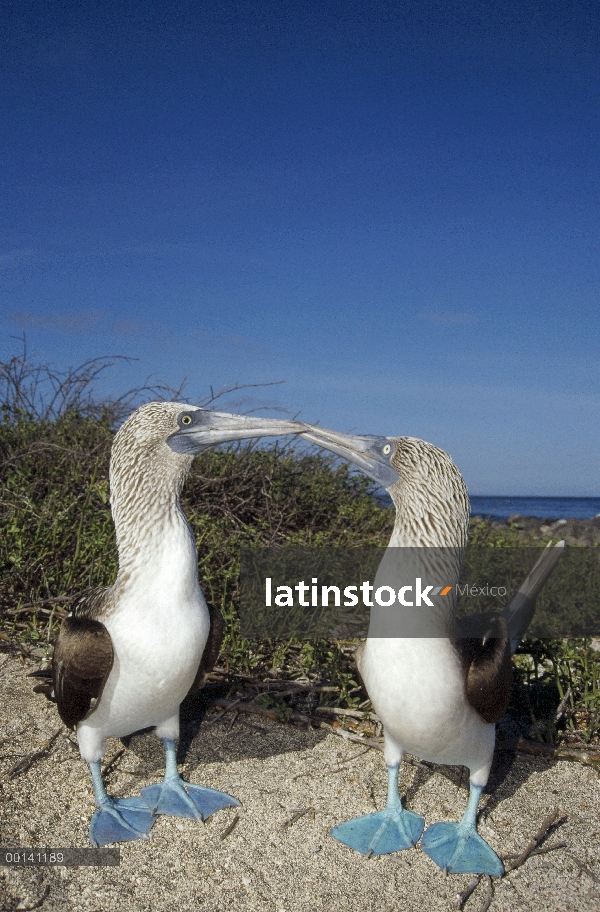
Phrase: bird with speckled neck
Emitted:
{"points": [[128, 654], [438, 694]]}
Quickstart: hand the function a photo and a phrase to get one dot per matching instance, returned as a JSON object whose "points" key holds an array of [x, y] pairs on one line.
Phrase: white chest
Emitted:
{"points": [[417, 689], [159, 629]]}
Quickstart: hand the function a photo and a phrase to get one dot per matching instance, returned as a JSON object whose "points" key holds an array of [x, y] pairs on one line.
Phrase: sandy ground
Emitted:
{"points": [[276, 770]]}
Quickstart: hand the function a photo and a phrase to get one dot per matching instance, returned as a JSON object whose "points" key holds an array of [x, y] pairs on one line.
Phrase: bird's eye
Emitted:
{"points": [[187, 419], [387, 449]]}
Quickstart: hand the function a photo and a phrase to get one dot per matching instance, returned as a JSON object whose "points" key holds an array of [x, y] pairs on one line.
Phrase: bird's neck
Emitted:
{"points": [[425, 550], [430, 527], [154, 538], [417, 576]]}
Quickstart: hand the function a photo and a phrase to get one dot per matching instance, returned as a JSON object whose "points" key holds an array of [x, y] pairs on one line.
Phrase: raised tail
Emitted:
{"points": [[46, 686], [521, 608]]}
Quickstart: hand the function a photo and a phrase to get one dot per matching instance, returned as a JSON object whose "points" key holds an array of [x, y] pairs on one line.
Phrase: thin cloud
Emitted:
{"points": [[244, 343], [19, 257], [75, 322], [129, 327], [231, 341], [448, 319], [160, 333], [152, 331]]}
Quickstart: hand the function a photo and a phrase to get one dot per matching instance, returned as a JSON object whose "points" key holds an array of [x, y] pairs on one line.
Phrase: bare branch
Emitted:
{"points": [[41, 392]]}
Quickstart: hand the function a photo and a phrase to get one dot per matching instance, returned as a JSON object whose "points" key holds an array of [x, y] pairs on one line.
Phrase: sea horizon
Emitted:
{"points": [[502, 507]]}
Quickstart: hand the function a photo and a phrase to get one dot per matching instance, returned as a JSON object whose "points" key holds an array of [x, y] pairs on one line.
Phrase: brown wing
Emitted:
{"points": [[211, 650], [488, 669], [89, 605], [83, 657], [358, 654]]}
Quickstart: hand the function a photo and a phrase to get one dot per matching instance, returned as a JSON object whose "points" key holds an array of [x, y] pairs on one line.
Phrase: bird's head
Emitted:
{"points": [[428, 491], [158, 441]]}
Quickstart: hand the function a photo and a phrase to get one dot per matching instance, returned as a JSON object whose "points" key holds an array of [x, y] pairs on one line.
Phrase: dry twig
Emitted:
{"points": [[542, 850], [562, 705], [354, 756], [584, 868], [533, 847], [36, 904], [111, 764], [489, 894], [225, 711], [351, 713], [304, 688], [229, 828], [259, 711], [334, 769], [29, 759], [233, 720], [348, 736], [296, 816], [548, 823], [461, 898]]}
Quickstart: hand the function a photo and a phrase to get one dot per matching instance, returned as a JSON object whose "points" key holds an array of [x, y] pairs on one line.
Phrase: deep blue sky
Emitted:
{"points": [[394, 207]]}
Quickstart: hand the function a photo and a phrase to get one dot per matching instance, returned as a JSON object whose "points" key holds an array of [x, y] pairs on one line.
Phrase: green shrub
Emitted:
{"points": [[57, 537]]}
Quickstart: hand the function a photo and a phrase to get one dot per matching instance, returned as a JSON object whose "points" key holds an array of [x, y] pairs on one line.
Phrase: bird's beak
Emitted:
{"points": [[207, 428], [371, 455]]}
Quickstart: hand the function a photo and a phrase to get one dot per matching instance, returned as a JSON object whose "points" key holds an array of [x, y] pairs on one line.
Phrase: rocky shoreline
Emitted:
{"points": [[532, 528]]}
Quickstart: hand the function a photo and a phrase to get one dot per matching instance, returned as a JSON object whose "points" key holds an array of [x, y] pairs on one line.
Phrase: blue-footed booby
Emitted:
{"points": [[437, 694], [127, 655]]}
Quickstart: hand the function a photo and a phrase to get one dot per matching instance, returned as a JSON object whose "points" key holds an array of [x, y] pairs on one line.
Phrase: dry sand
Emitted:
{"points": [[276, 770]]}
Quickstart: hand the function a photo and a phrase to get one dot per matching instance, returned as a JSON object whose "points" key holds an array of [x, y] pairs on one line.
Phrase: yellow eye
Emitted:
{"points": [[387, 449], [187, 419]]}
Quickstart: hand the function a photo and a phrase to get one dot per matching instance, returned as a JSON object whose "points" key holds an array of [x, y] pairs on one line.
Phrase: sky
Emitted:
{"points": [[393, 207]]}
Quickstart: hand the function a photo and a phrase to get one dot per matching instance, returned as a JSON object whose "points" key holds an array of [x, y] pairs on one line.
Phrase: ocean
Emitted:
{"points": [[499, 507], [542, 507]]}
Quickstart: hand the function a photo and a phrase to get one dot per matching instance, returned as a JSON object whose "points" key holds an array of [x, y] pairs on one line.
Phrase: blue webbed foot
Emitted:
{"points": [[177, 798], [117, 820], [460, 849], [121, 821], [390, 830]]}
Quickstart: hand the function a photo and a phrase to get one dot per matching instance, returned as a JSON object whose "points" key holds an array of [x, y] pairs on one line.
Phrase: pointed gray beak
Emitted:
{"points": [[372, 455], [199, 429]]}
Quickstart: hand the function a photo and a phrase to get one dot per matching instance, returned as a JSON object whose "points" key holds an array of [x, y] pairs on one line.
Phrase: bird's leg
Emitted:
{"points": [[117, 820], [458, 847], [183, 799], [389, 830]]}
